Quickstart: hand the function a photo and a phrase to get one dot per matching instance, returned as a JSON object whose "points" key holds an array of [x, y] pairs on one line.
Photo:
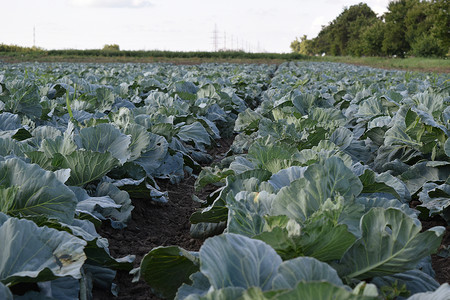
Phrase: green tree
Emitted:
{"points": [[341, 36], [357, 30], [304, 46], [425, 23], [417, 27], [427, 45], [440, 18], [372, 39], [295, 46], [322, 43], [416, 21], [395, 42]]}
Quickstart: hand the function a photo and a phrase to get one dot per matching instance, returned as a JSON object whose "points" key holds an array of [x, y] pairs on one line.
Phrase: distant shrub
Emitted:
{"points": [[15, 48], [111, 47]]}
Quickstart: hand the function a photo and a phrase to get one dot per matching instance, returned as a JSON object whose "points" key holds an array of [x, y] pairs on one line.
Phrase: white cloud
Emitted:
{"points": [[112, 3]]}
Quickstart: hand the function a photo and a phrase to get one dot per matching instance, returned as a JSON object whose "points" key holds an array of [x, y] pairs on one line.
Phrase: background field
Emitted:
{"points": [[419, 64]]}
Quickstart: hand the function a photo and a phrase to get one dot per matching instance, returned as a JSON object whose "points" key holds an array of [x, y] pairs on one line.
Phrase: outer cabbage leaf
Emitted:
{"points": [[286, 176], [447, 147], [272, 157], [328, 117], [44, 132], [397, 135], [199, 286], [22, 96], [435, 199], [64, 288], [320, 236], [371, 184], [442, 293], [339, 179], [217, 211], [321, 152], [231, 260], [108, 203], [31, 253], [106, 138], [171, 168], [246, 211], [304, 269], [370, 108], [104, 98], [5, 293], [196, 133], [9, 121], [86, 166], [153, 156], [120, 216], [12, 147], [97, 248], [391, 242], [311, 290], [415, 281], [416, 176], [67, 288], [342, 137], [34, 191], [247, 121], [166, 268], [370, 201], [210, 175], [222, 294], [305, 195], [62, 145], [143, 188], [140, 140]]}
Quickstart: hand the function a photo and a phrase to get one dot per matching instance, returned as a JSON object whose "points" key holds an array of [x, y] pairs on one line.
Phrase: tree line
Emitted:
{"points": [[408, 28], [113, 50]]}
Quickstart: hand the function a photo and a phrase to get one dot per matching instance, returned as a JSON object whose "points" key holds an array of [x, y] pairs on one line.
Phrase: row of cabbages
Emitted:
{"points": [[314, 193], [79, 141]]}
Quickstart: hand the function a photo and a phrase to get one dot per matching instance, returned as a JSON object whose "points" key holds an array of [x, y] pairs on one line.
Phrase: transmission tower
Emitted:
{"points": [[224, 40], [215, 38]]}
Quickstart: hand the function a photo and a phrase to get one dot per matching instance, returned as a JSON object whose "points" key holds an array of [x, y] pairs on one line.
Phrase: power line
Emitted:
{"points": [[235, 43]]}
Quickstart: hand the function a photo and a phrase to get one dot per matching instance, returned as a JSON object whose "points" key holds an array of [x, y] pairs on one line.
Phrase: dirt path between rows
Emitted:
{"points": [[154, 225], [441, 265], [151, 225]]}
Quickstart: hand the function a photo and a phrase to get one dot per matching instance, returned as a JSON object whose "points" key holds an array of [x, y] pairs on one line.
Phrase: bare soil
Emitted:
{"points": [[152, 225], [441, 265]]}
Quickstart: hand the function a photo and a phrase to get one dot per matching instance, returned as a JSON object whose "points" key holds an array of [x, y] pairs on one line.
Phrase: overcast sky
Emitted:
{"points": [[178, 25]]}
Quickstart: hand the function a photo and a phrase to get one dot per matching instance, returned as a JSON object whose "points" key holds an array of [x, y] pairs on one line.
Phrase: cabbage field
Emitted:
{"points": [[331, 182]]}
